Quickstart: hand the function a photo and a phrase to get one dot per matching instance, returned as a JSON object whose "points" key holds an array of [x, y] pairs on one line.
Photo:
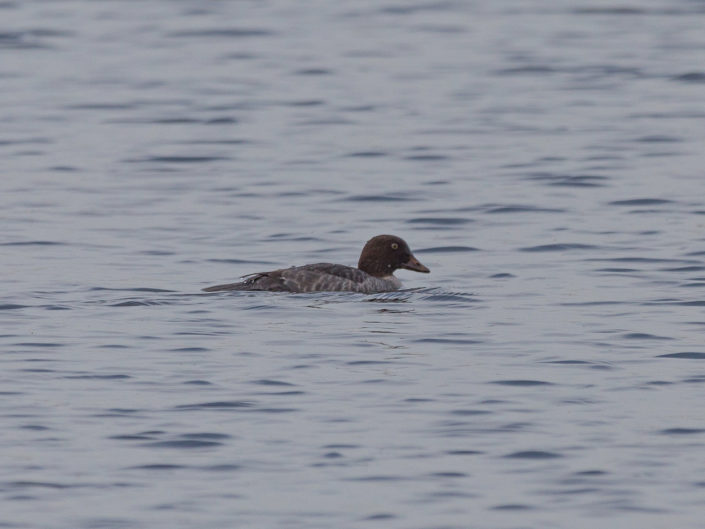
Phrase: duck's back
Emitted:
{"points": [[319, 277]]}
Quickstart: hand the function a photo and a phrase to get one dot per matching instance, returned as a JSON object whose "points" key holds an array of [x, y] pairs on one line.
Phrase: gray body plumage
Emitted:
{"points": [[319, 277]]}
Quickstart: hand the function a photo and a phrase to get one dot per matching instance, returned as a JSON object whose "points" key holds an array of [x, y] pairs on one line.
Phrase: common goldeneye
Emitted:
{"points": [[380, 257]]}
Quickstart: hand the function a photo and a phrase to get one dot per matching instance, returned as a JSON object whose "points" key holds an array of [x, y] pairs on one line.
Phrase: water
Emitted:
{"points": [[543, 158]]}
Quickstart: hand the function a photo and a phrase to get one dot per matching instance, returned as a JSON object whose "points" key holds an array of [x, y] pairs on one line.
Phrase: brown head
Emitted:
{"points": [[384, 254]]}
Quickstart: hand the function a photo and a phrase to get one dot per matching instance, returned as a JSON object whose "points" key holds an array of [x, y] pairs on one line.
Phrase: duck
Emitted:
{"points": [[380, 258]]}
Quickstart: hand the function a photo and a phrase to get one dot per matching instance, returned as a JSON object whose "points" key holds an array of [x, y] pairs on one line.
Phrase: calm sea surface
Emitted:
{"points": [[545, 159]]}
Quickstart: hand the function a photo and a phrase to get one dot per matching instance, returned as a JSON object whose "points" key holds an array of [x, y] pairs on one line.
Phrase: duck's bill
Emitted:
{"points": [[414, 264]]}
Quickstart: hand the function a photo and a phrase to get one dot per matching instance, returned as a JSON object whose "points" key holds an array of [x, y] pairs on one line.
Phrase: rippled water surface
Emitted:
{"points": [[545, 159]]}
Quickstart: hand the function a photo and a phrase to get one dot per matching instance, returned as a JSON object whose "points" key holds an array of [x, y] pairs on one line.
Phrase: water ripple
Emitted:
{"points": [[233, 33], [686, 355], [558, 247]]}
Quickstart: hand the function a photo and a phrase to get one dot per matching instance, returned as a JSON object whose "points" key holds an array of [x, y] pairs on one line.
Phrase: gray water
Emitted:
{"points": [[545, 159]]}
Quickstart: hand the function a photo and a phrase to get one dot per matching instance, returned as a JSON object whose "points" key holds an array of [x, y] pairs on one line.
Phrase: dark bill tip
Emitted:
{"points": [[414, 264]]}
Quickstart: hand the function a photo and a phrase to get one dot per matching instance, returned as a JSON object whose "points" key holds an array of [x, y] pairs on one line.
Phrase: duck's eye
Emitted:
{"points": [[395, 246]]}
